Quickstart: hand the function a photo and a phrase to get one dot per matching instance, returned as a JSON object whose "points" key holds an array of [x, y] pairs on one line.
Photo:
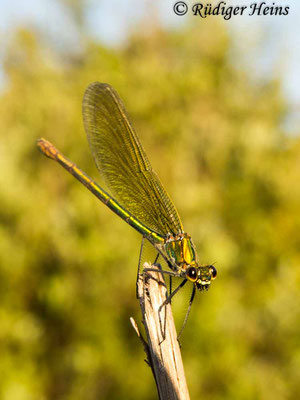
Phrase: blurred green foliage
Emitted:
{"points": [[67, 276]]}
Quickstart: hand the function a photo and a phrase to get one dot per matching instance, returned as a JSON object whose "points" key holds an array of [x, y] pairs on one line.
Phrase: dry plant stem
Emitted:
{"points": [[163, 349]]}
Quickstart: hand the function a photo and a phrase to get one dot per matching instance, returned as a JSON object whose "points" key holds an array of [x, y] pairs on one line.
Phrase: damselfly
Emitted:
{"points": [[138, 196]]}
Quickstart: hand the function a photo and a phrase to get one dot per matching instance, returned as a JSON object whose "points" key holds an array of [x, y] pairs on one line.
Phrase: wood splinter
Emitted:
{"points": [[162, 347]]}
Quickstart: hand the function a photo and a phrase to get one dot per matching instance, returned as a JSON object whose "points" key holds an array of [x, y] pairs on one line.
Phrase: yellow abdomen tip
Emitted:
{"points": [[47, 148]]}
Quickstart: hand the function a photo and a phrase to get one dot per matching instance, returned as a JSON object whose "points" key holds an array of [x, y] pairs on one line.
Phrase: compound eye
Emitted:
{"points": [[213, 272], [192, 274]]}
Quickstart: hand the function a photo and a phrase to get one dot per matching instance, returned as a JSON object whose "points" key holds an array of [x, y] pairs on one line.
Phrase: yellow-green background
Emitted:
{"points": [[67, 264]]}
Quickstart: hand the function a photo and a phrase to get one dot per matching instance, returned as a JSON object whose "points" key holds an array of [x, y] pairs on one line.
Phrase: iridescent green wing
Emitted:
{"points": [[123, 163]]}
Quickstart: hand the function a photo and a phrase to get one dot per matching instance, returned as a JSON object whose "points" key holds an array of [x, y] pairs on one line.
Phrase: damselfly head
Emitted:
{"points": [[201, 276]]}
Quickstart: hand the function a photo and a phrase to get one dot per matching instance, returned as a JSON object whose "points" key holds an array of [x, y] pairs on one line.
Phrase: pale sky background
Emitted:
{"points": [[277, 38]]}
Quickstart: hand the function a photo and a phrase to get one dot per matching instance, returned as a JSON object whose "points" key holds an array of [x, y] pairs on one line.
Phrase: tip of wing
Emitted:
{"points": [[97, 87]]}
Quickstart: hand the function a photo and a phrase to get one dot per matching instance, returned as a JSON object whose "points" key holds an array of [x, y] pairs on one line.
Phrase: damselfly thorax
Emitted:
{"points": [[181, 252]]}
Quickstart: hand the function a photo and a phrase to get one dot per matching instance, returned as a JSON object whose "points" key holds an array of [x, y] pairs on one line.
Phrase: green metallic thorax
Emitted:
{"points": [[180, 250]]}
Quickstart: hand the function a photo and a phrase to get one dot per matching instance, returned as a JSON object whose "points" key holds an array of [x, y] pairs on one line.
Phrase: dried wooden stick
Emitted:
{"points": [[162, 348]]}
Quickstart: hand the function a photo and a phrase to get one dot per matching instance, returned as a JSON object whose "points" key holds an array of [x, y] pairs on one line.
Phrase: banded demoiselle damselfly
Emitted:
{"points": [[138, 196]]}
